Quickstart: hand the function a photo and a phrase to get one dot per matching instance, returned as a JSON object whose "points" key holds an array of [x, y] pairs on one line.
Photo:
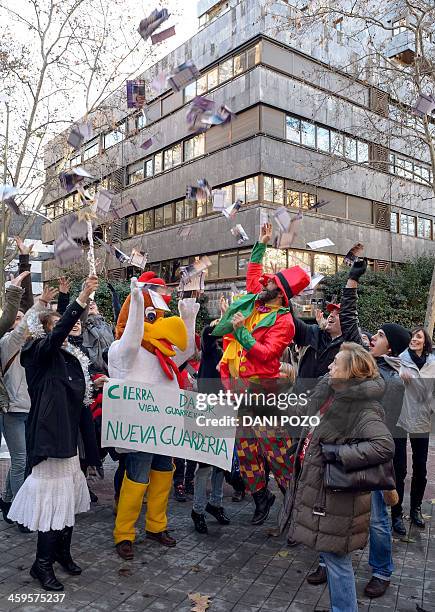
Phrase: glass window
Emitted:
{"points": [[278, 190], [213, 270], [324, 264], [194, 147], [363, 152], [394, 222], [49, 211], [58, 208], [293, 198], [148, 220], [424, 229], [244, 257], [337, 143], [158, 217], [323, 139], [350, 148], [239, 65], [228, 264], [91, 149], [308, 134], [201, 85], [226, 70], [190, 92], [131, 226], [176, 154], [274, 260], [69, 204], [168, 214], [228, 195], [425, 174], [409, 169], [189, 209], [135, 173], [139, 224], [179, 211], [253, 56], [293, 129], [75, 161], [252, 189], [201, 208], [268, 188], [308, 200], [167, 159], [299, 258], [115, 136], [141, 121], [400, 166], [158, 161], [149, 167], [212, 78], [407, 225], [239, 191]]}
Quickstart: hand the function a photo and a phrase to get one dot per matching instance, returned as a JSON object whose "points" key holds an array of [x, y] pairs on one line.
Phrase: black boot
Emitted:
{"points": [[218, 513], [42, 569], [398, 525], [5, 507], [63, 552], [199, 522], [263, 503], [416, 517]]}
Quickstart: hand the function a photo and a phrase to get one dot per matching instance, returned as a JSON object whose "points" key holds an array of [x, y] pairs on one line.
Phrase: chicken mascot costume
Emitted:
{"points": [[149, 348]]}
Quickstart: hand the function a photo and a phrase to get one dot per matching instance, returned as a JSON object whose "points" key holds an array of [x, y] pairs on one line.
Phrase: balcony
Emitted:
{"points": [[402, 47]]}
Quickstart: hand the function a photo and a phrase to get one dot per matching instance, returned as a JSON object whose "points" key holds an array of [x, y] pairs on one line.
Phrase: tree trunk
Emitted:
{"points": [[429, 320]]}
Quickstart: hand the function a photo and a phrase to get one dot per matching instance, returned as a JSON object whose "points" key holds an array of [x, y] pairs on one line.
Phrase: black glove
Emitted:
{"points": [[358, 269], [330, 453]]}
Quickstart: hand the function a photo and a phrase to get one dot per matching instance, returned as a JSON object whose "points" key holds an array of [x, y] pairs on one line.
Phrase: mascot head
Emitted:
{"points": [[160, 334]]}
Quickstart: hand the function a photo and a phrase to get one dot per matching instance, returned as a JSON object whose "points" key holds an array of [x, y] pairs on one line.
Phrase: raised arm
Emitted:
{"points": [[63, 297], [123, 352], [255, 267], [24, 266], [188, 309], [12, 303], [348, 312], [276, 340], [116, 303]]}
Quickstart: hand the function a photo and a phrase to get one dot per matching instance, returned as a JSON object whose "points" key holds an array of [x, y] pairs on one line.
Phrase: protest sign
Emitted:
{"points": [[163, 420]]}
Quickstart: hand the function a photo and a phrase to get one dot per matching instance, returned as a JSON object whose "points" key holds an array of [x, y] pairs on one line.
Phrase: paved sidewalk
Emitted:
{"points": [[240, 567]]}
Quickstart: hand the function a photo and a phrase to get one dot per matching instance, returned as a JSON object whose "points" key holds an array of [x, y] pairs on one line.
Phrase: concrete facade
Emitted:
{"points": [[271, 80]]}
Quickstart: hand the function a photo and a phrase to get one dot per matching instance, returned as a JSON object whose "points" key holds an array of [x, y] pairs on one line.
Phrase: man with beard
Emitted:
{"points": [[257, 327]]}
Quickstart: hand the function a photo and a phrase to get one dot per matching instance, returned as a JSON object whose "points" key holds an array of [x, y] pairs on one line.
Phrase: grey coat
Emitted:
{"points": [[419, 399], [332, 521], [12, 304]]}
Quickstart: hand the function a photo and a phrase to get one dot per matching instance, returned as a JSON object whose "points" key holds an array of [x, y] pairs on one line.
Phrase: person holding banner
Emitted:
{"points": [[145, 351], [258, 327]]}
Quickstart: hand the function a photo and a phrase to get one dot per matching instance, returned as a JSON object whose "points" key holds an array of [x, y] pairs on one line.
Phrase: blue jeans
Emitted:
{"points": [[380, 552], [138, 465], [341, 582], [13, 426], [217, 487]]}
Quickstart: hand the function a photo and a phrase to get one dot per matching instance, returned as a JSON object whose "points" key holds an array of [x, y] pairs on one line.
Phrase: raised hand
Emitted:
{"points": [[238, 320], [64, 285], [89, 287], [16, 282], [265, 233], [48, 295], [23, 249], [223, 305]]}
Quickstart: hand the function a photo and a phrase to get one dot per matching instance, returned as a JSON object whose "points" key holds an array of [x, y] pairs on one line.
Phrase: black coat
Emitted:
{"points": [[321, 348], [209, 378], [57, 387]]}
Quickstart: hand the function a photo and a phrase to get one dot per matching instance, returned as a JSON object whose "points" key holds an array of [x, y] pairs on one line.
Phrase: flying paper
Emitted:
{"points": [[66, 250], [69, 179], [239, 233], [425, 105], [353, 254], [158, 301], [150, 24], [138, 260], [79, 133], [183, 75], [318, 204], [103, 202], [282, 218], [129, 207], [158, 84], [135, 93], [232, 210], [285, 238], [195, 268], [163, 35], [315, 280], [222, 116], [201, 193], [196, 284], [320, 244], [8, 195], [198, 107], [264, 218], [73, 226]]}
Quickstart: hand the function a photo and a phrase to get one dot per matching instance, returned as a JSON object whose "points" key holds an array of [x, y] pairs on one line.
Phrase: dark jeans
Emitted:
{"points": [[180, 477], [419, 446]]}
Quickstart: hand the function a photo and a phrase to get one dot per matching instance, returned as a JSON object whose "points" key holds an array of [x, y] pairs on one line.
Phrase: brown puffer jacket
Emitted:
{"points": [[355, 421]]}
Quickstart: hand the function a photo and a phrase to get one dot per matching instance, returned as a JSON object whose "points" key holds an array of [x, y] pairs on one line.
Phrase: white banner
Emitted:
{"points": [[158, 419]]}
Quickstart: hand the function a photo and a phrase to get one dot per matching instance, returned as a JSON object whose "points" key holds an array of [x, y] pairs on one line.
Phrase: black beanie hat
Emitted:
{"points": [[398, 337]]}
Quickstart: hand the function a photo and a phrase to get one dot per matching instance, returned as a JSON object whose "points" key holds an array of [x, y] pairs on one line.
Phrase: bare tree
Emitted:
{"points": [[58, 59]]}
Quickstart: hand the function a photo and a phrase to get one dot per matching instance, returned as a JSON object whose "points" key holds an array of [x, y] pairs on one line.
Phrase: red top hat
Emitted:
{"points": [[331, 307], [149, 277], [291, 282]]}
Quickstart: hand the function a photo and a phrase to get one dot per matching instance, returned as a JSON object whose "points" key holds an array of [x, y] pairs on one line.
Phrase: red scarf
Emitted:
{"points": [[169, 367]]}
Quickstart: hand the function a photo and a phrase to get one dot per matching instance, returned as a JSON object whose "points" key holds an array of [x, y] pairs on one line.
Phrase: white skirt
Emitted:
{"points": [[51, 496]]}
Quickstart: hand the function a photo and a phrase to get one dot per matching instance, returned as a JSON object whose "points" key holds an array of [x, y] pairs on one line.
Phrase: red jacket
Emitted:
{"points": [[263, 347]]}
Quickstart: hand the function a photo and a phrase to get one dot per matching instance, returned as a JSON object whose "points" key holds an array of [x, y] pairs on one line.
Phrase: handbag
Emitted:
{"points": [[372, 478]]}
